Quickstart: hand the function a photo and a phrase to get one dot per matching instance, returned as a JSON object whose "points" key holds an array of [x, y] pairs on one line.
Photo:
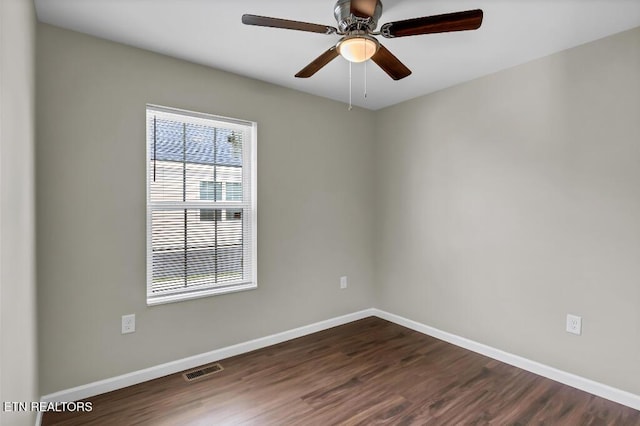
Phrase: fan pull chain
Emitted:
{"points": [[365, 79], [365, 69], [350, 107]]}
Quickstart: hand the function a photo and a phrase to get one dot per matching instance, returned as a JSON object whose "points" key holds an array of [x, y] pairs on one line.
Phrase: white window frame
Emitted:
{"points": [[249, 175]]}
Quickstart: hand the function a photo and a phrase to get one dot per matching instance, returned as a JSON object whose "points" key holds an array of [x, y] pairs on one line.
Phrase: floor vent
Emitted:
{"points": [[202, 372]]}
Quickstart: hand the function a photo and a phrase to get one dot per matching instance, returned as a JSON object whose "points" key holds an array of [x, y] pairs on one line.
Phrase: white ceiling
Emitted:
{"points": [[209, 32]]}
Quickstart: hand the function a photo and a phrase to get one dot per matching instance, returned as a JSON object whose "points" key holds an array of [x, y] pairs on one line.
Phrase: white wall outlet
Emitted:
{"points": [[128, 323], [574, 324], [343, 282]]}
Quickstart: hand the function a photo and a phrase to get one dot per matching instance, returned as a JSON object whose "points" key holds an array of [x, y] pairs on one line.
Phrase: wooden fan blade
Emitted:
{"points": [[458, 21], [390, 64], [363, 8], [318, 63], [264, 21]]}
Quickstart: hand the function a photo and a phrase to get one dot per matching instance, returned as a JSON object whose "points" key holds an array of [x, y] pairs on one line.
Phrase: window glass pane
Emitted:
{"points": [[168, 140], [188, 251], [229, 148], [210, 214], [234, 191], [184, 154], [167, 185], [199, 144], [210, 190], [167, 246], [166, 156], [233, 214]]}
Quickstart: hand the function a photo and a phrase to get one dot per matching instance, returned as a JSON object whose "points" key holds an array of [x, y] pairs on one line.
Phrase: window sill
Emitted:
{"points": [[180, 297]]}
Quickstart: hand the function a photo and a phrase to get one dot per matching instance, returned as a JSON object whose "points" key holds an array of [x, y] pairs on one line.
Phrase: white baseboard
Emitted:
{"points": [[578, 382], [119, 382]]}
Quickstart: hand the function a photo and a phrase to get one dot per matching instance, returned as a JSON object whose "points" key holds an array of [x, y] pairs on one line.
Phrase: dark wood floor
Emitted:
{"points": [[366, 372]]}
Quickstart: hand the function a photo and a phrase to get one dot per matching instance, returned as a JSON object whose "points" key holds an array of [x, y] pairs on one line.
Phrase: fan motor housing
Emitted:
{"points": [[347, 22]]}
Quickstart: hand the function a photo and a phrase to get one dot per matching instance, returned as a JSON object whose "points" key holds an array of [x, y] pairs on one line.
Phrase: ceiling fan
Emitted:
{"points": [[357, 21]]}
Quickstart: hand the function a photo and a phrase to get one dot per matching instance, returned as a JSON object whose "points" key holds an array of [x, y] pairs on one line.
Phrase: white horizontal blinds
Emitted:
{"points": [[199, 203], [189, 251]]}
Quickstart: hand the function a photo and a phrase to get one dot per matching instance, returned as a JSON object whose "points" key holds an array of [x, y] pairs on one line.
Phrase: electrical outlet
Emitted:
{"points": [[128, 323], [343, 282], [574, 324]]}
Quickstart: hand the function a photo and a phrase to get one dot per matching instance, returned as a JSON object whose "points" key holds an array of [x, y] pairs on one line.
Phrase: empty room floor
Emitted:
{"points": [[366, 372]]}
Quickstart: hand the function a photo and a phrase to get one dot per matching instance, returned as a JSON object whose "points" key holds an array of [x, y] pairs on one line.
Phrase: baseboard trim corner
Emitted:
{"points": [[135, 377], [578, 382]]}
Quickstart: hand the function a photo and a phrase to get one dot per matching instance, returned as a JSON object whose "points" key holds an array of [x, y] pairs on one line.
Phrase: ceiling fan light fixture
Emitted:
{"points": [[358, 48], [357, 21]]}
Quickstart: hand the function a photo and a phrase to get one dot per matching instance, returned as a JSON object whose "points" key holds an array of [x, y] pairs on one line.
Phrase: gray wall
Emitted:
{"points": [[18, 376], [315, 163], [509, 201]]}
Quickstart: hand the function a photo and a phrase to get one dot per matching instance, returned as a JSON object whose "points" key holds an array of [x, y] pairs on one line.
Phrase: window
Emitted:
{"points": [[201, 212]]}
